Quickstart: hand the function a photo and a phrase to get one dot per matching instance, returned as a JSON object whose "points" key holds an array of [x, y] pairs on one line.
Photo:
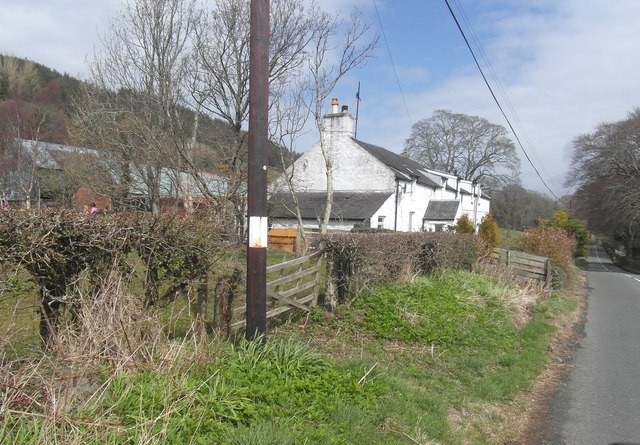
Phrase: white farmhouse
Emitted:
{"points": [[372, 186]]}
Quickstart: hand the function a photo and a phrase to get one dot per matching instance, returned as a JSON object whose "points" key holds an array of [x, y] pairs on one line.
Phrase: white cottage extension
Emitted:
{"points": [[372, 186]]}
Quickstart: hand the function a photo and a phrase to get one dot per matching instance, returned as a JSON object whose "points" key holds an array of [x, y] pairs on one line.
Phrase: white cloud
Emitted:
{"points": [[565, 69], [57, 33], [566, 65]]}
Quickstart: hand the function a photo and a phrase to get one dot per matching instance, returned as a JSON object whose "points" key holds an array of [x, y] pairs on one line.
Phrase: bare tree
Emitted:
{"points": [[223, 47], [606, 173], [134, 107], [24, 126], [517, 208], [469, 146], [336, 49], [287, 123]]}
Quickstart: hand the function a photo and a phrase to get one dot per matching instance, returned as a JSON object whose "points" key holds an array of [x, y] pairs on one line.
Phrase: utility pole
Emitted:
{"points": [[257, 174]]}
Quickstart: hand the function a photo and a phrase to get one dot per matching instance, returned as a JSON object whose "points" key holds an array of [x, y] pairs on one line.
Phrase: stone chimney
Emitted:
{"points": [[338, 124]]}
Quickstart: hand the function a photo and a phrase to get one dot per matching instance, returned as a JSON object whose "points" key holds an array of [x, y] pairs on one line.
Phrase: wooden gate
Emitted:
{"points": [[525, 264], [294, 284]]}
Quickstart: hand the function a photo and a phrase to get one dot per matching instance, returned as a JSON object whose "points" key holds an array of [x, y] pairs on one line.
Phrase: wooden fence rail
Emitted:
{"points": [[525, 264], [294, 284]]}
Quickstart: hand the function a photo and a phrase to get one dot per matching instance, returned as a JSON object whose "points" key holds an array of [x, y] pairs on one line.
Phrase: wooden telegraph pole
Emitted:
{"points": [[257, 177]]}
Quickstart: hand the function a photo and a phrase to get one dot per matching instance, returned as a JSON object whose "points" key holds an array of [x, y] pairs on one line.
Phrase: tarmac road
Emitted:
{"points": [[599, 401]]}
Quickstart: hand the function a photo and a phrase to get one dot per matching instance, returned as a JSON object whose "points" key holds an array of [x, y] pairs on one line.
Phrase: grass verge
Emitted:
{"points": [[440, 360]]}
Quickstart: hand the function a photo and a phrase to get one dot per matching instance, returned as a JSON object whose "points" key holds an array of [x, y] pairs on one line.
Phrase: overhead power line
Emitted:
{"points": [[497, 101], [384, 37], [497, 82]]}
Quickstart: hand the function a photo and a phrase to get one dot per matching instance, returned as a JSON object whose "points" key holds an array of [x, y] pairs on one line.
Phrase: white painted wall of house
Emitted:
{"points": [[412, 206], [353, 170], [386, 211], [356, 170], [311, 224]]}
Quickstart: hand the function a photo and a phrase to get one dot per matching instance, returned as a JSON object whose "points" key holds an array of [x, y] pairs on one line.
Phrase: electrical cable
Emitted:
{"points": [[496, 99], [498, 83], [501, 89], [384, 37]]}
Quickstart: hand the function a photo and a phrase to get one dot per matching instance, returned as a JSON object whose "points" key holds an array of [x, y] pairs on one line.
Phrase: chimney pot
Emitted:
{"points": [[334, 105], [345, 108]]}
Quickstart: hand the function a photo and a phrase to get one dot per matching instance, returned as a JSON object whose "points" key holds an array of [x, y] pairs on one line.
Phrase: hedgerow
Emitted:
{"points": [[358, 260], [62, 250]]}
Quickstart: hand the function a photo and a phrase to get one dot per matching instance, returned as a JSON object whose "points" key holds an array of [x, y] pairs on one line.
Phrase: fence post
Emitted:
{"points": [[331, 294], [547, 272], [508, 258], [316, 288], [224, 294], [203, 291]]}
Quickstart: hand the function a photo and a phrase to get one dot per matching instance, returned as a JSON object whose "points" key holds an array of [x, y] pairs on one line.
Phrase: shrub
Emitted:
{"points": [[489, 230], [61, 249], [553, 243], [464, 225], [562, 219]]}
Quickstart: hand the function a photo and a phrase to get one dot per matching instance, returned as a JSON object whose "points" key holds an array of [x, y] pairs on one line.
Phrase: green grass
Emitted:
{"points": [[389, 370], [456, 347], [508, 237]]}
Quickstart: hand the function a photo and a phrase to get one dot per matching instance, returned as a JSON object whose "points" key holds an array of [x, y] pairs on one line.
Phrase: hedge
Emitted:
{"points": [[358, 260]]}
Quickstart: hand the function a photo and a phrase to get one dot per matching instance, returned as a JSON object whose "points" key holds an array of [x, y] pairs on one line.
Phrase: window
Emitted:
{"points": [[411, 215], [381, 222], [439, 227]]}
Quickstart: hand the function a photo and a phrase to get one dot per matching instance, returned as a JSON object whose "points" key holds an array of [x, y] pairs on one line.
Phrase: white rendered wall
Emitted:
{"points": [[310, 224], [354, 169]]}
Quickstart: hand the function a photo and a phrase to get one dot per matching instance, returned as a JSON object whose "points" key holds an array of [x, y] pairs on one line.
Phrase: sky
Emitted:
{"points": [[558, 67]]}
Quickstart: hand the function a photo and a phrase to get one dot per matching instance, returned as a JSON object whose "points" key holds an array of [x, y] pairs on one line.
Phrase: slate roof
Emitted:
{"points": [[464, 191], [169, 180], [441, 210], [404, 167], [346, 205]]}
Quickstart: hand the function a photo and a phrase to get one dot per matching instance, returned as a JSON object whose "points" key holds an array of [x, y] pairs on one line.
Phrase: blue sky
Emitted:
{"points": [[565, 65]]}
